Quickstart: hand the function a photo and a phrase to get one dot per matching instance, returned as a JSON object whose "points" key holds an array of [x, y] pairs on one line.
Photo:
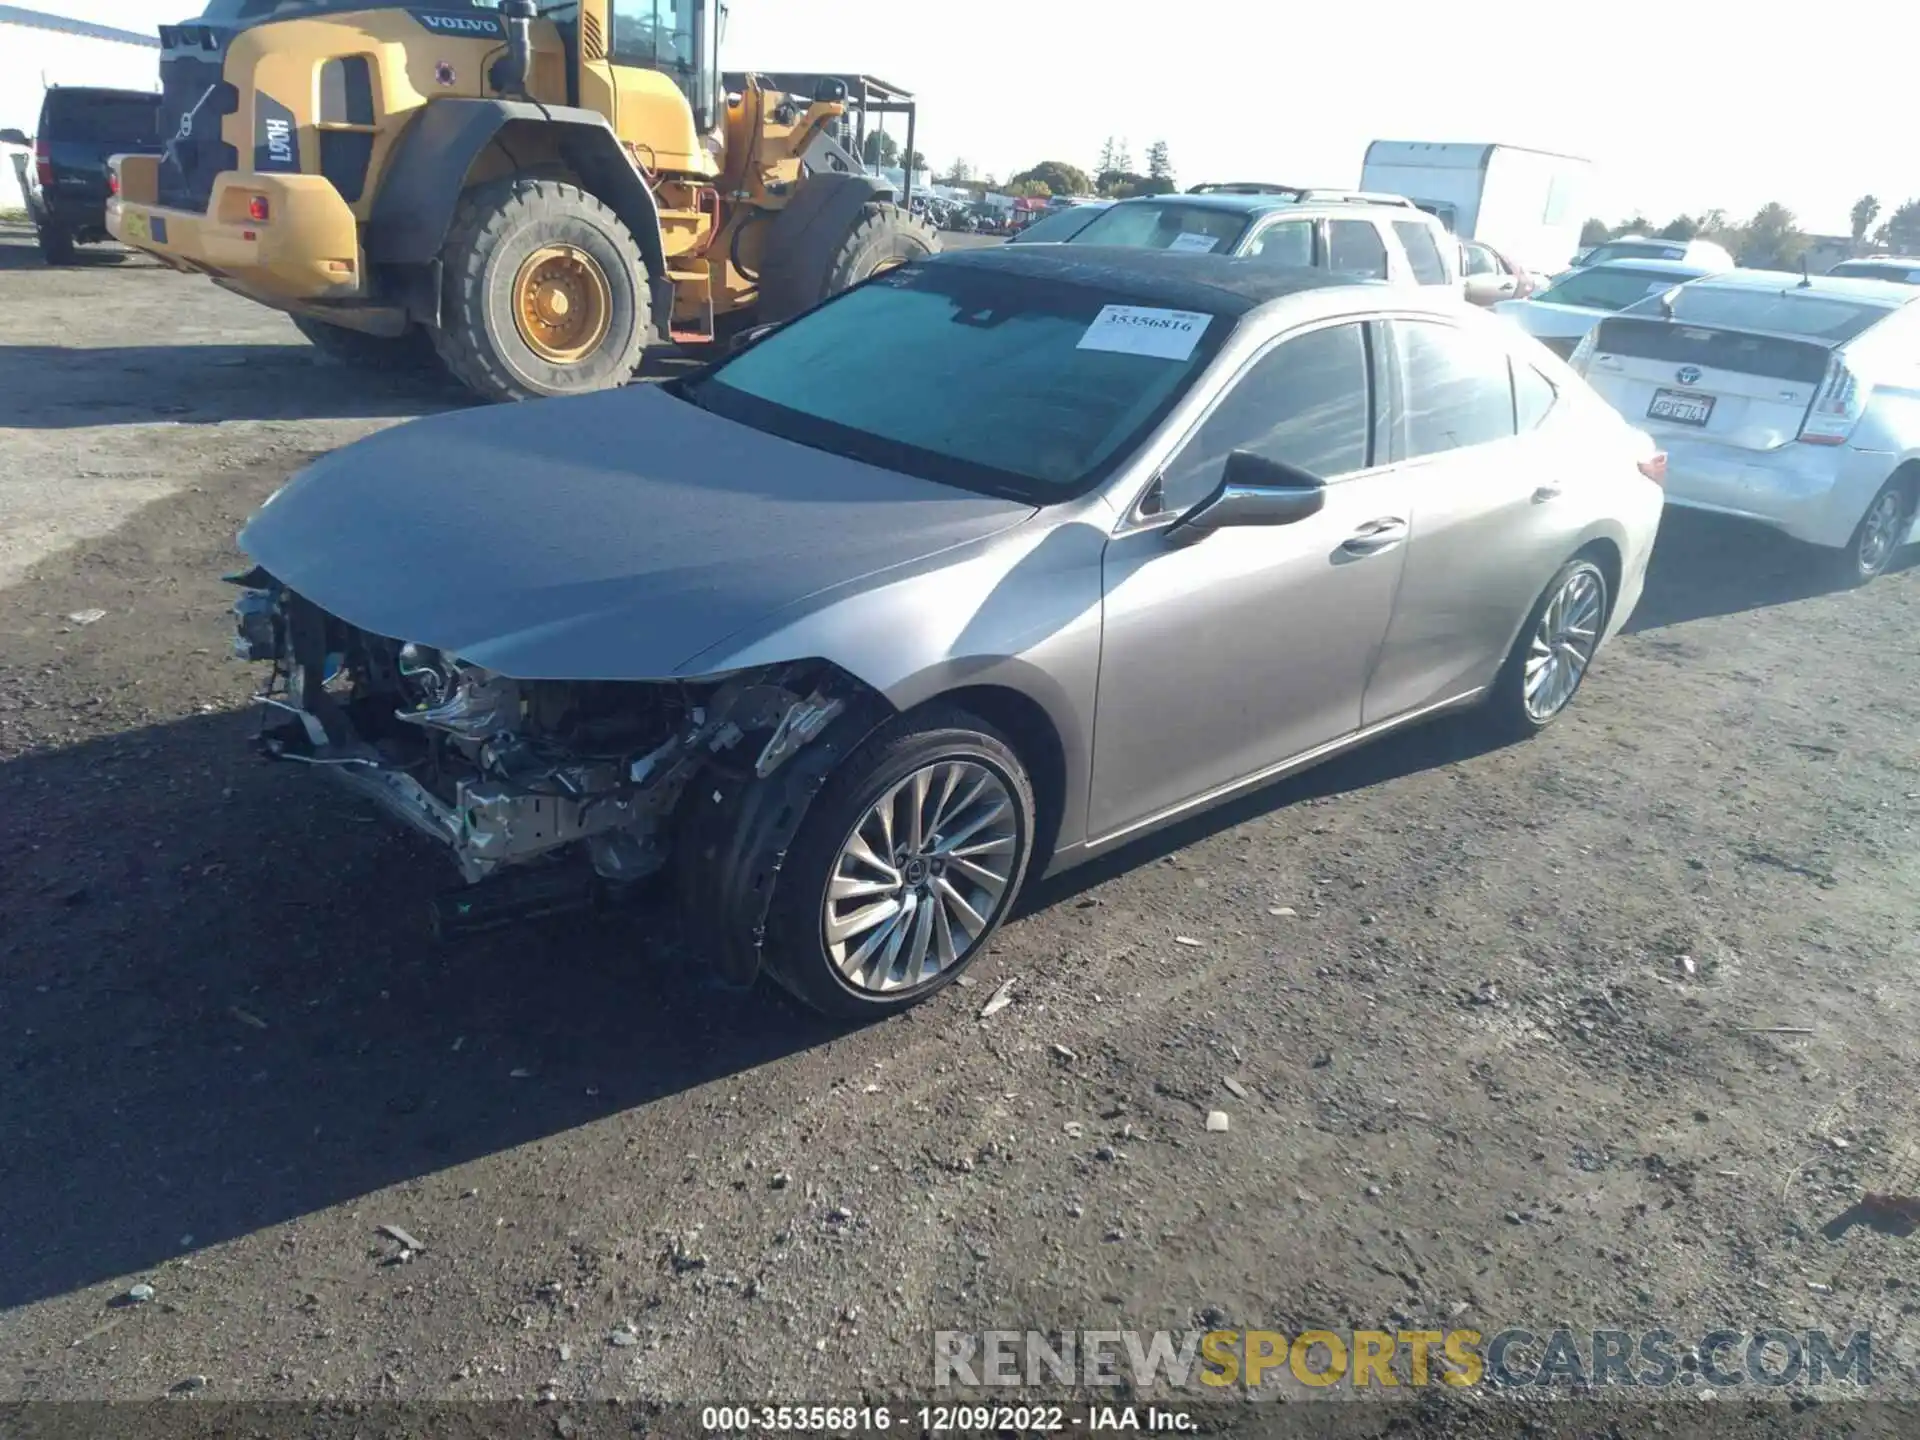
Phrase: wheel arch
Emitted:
{"points": [[433, 164], [1023, 722]]}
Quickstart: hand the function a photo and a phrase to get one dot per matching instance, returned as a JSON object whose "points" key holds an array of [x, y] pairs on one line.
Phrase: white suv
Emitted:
{"points": [[1349, 232]]}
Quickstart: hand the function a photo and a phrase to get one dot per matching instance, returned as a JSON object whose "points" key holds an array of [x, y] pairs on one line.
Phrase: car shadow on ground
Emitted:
{"points": [[86, 257], [1705, 565], [220, 1008], [53, 387]]}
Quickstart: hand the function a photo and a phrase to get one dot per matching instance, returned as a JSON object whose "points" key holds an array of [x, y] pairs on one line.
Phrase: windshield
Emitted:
{"points": [[1008, 384], [1633, 250], [1059, 226], [1608, 289], [1166, 225], [1800, 313]]}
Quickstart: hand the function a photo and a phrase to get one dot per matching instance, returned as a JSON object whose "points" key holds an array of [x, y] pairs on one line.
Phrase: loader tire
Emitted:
{"points": [[543, 294], [835, 252], [359, 350]]}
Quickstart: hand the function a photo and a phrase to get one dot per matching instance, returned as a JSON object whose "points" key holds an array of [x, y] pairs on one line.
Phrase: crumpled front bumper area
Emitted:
{"points": [[459, 764]]}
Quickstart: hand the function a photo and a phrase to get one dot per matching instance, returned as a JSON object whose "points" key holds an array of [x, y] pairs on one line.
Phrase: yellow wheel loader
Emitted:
{"points": [[531, 194]]}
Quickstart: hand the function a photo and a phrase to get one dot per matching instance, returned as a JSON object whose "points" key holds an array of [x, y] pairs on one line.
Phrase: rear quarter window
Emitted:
{"points": [[1423, 253], [1355, 249]]}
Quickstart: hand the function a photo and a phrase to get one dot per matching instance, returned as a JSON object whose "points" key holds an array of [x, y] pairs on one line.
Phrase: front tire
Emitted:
{"points": [[819, 261], [906, 864], [1882, 531], [1551, 657], [543, 293]]}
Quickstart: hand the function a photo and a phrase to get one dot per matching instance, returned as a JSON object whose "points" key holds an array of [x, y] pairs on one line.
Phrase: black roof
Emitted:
{"points": [[1217, 284]]}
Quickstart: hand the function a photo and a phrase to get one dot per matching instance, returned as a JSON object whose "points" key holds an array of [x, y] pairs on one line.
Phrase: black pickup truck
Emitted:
{"points": [[65, 181]]}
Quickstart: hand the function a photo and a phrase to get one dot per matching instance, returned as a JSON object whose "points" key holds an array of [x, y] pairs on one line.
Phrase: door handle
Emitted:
{"points": [[1546, 493], [1375, 536]]}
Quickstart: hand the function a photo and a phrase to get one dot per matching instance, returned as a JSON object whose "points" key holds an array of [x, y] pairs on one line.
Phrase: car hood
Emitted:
{"points": [[613, 536]]}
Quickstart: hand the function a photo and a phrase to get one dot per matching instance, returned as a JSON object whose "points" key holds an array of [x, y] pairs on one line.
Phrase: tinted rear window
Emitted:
{"points": [[103, 119], [1807, 314]]}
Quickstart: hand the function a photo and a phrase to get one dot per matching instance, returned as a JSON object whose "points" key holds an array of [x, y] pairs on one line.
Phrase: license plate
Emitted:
{"points": [[133, 226], [1680, 408]]}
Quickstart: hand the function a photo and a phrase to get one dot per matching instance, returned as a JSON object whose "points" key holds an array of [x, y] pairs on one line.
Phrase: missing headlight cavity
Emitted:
{"points": [[507, 772]]}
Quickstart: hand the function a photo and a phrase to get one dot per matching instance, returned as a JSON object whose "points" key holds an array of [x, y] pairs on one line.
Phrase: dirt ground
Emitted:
{"points": [[1614, 1028]]}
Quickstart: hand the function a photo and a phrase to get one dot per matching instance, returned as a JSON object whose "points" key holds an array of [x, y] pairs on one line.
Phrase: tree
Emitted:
{"points": [[1028, 189], [1638, 225], [1774, 240], [959, 173], [882, 151], [1159, 164], [1901, 232], [1123, 156], [1681, 227], [920, 162], [1865, 211], [1058, 176], [1109, 154], [1594, 232]]}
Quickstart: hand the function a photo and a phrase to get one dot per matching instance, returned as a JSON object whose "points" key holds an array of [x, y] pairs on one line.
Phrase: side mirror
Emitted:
{"points": [[14, 137], [1253, 490]]}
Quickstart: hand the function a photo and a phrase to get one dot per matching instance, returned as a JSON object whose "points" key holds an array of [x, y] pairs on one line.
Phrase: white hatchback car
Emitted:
{"points": [[1791, 402]]}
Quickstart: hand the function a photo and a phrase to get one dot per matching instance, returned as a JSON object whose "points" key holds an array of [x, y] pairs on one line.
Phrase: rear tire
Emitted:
{"points": [[56, 245], [823, 262], [1555, 649], [934, 741], [1881, 533], [544, 293], [359, 350]]}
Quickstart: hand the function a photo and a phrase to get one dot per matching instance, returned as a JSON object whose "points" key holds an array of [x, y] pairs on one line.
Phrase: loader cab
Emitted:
{"points": [[679, 39]]}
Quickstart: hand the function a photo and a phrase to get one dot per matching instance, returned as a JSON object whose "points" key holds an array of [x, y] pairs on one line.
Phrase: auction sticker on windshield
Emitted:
{"points": [[1191, 243], [1143, 330]]}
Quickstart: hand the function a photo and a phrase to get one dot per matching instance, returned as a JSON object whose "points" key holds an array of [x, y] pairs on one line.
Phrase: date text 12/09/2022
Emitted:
{"points": [[941, 1419]]}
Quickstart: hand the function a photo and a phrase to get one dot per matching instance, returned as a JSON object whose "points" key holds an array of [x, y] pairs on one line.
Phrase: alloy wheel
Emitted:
{"points": [[1563, 644], [921, 877], [1880, 532]]}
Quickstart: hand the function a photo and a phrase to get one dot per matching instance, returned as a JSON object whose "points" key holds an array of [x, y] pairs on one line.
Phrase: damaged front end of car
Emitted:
{"points": [[557, 794]]}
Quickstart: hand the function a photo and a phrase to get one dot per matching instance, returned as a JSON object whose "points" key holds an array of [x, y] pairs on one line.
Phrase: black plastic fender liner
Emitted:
{"points": [[733, 836], [427, 172], [806, 235]]}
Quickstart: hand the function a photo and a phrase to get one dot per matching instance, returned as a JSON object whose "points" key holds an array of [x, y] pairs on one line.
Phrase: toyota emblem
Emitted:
{"points": [[1688, 374]]}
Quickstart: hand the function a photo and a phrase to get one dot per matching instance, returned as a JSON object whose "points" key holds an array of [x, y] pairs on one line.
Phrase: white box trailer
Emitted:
{"points": [[1528, 204]]}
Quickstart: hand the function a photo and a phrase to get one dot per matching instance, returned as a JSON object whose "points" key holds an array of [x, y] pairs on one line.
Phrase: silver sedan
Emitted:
{"points": [[977, 571]]}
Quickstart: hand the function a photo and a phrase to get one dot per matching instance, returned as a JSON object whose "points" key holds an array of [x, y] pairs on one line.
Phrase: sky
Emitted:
{"points": [[1680, 107]]}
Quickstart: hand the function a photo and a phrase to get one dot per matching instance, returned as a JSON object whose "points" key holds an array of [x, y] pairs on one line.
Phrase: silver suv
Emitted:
{"points": [[1348, 232]]}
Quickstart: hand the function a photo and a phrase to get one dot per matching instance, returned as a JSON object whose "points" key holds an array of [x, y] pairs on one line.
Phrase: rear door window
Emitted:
{"points": [[1355, 249], [1456, 389], [1422, 253]]}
